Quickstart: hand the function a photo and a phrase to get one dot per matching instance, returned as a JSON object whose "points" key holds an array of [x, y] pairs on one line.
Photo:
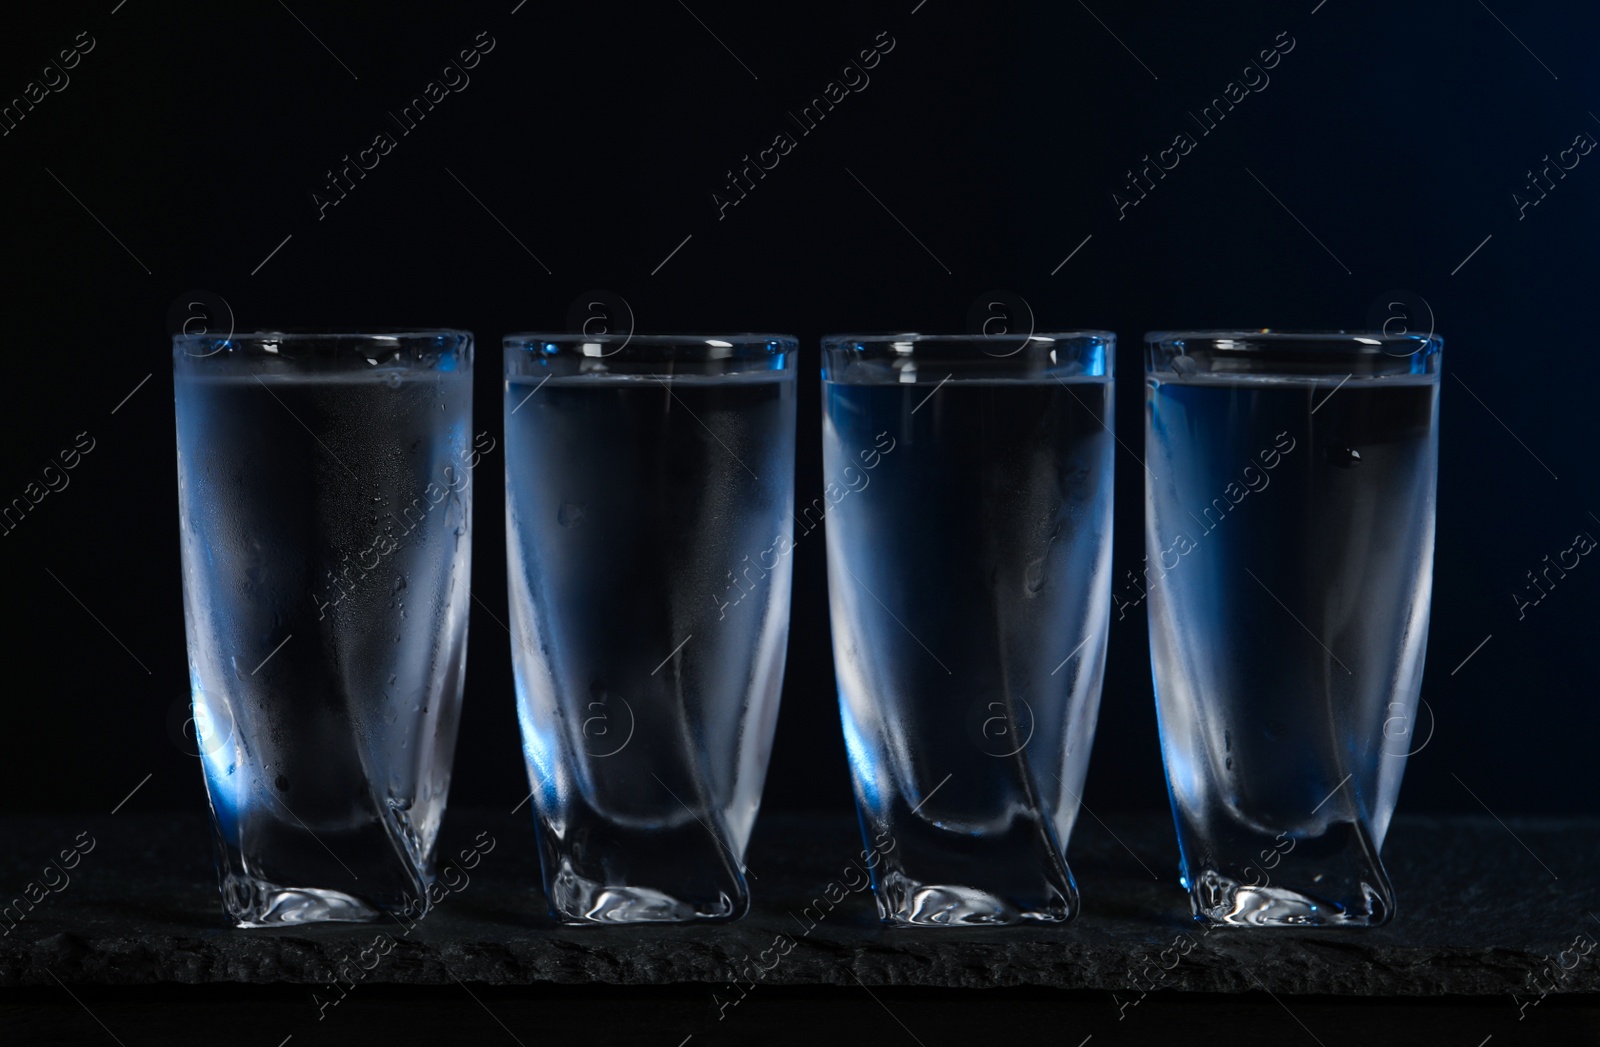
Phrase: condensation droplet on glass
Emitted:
{"points": [[1035, 576], [1343, 457]]}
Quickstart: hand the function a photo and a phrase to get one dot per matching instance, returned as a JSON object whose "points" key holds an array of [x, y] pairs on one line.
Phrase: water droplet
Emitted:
{"points": [[570, 514], [391, 679], [399, 583], [393, 381], [377, 499], [1229, 763], [282, 783], [1343, 457], [1034, 577]]}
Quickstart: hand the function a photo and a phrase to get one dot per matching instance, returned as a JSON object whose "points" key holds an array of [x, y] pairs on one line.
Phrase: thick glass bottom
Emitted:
{"points": [[905, 902], [280, 874], [602, 870], [251, 902], [1244, 876], [1228, 902], [991, 872], [575, 900]]}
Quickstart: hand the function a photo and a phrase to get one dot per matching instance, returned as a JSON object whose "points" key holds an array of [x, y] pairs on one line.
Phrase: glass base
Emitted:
{"points": [[602, 870], [251, 902], [1246, 876], [574, 900], [1221, 900], [269, 883], [907, 903]]}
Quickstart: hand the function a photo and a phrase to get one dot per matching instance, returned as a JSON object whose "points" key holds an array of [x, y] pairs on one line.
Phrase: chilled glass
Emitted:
{"points": [[1289, 535], [968, 507], [649, 528], [325, 504]]}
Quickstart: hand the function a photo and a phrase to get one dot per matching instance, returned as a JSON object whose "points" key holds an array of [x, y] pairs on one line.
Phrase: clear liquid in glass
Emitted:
{"points": [[969, 582], [649, 529], [1290, 533], [325, 535]]}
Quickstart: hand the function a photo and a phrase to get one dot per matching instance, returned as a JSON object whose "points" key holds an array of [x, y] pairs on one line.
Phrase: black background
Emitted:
{"points": [[597, 134]]}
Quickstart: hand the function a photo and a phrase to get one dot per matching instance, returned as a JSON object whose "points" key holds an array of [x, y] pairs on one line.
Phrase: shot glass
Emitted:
{"points": [[325, 499], [968, 508], [1289, 529], [649, 500]]}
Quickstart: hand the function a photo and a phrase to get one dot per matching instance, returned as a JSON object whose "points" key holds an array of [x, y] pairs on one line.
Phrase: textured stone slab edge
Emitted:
{"points": [[1289, 967]]}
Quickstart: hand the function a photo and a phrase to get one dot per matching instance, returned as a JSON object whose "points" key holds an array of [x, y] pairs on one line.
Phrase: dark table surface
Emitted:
{"points": [[133, 950], [1485, 910]]}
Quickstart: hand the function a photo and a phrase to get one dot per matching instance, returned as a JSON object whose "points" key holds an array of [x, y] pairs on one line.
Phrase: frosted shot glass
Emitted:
{"points": [[325, 504], [1289, 527], [649, 500], [968, 508]]}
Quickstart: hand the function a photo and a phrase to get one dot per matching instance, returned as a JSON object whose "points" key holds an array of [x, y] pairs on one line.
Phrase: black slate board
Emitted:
{"points": [[1484, 909]]}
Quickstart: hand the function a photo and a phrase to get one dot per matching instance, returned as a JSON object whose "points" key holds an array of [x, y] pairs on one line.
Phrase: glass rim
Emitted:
{"points": [[1285, 338], [322, 349], [894, 359], [711, 341], [310, 334], [834, 340]]}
